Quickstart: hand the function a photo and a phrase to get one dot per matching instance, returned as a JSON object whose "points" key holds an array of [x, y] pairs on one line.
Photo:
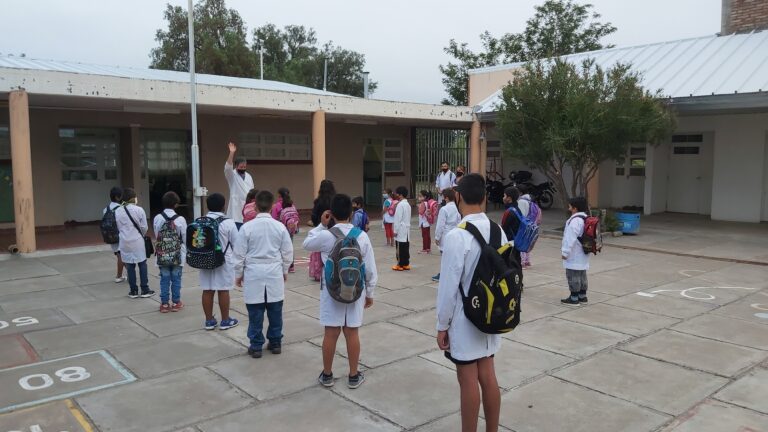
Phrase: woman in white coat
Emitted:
{"points": [[240, 183], [132, 225]]}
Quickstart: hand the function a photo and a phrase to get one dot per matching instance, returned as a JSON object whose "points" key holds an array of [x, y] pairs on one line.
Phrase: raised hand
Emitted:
{"points": [[232, 147]]}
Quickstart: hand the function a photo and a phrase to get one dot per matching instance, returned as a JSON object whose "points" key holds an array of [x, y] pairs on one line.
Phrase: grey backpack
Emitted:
{"points": [[344, 269]]}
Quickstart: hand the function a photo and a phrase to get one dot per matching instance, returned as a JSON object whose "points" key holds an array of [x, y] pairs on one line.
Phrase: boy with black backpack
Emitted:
{"points": [[170, 231], [210, 240], [468, 320], [347, 286], [575, 260], [359, 215], [109, 230]]}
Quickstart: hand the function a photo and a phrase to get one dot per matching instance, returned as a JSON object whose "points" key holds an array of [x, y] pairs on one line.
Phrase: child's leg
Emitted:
{"points": [[574, 282], [165, 284], [224, 304], [176, 272], [144, 277], [130, 269], [329, 348], [470, 396], [275, 329], [405, 254], [425, 241], [256, 325], [352, 336], [582, 276], [486, 373], [120, 264], [208, 304]]}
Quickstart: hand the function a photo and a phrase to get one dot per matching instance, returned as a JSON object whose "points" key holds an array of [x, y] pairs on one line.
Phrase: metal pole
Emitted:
{"points": [[325, 73], [365, 85], [197, 191], [261, 62]]}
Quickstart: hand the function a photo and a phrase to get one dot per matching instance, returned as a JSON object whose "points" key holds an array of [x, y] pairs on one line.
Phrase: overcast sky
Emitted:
{"points": [[401, 39]]}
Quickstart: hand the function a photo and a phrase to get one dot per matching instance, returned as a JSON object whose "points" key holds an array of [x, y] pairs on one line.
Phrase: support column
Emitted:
{"points": [[318, 148], [474, 147], [593, 191], [21, 160], [483, 153]]}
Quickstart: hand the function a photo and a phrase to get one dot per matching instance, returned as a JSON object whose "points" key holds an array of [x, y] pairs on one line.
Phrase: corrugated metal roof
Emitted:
{"points": [[14, 62], [705, 66]]}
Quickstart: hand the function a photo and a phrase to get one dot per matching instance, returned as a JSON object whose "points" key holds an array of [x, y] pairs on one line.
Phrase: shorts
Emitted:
{"points": [[115, 248], [463, 362]]}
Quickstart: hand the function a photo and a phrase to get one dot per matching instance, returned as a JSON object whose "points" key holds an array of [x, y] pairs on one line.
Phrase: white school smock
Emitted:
{"points": [[263, 253], [447, 219], [112, 206], [402, 223], [238, 190], [181, 229], [461, 253], [333, 313], [445, 180], [524, 204], [132, 249], [571, 246], [221, 278]]}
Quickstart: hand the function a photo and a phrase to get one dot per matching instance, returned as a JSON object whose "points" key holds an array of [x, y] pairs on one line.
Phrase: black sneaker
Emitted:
{"points": [[356, 381], [583, 296], [325, 380], [133, 294], [570, 301], [147, 294], [275, 349], [583, 299], [254, 353]]}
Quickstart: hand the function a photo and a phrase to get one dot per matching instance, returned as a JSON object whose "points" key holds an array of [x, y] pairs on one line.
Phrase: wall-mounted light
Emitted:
{"points": [[482, 135]]}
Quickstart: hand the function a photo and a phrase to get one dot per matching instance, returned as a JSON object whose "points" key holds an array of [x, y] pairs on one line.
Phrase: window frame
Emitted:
{"points": [[255, 145]]}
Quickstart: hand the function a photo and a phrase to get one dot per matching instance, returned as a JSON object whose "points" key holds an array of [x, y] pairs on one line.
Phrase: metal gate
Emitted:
{"points": [[431, 148]]}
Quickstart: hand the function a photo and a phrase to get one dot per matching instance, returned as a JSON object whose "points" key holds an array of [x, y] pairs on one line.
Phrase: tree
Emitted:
{"points": [[558, 27], [557, 115], [220, 41]]}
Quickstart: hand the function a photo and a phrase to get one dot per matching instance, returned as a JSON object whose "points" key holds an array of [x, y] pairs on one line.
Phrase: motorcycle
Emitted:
{"points": [[543, 193]]}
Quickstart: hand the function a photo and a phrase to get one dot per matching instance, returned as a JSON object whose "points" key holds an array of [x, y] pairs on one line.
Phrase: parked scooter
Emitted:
{"points": [[543, 193]]}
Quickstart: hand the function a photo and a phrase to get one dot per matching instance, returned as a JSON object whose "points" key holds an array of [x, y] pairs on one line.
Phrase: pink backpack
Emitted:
{"points": [[392, 207], [433, 208], [289, 216]]}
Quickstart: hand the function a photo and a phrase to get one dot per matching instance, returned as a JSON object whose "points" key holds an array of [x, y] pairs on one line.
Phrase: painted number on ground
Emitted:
{"points": [[19, 322], [40, 382]]}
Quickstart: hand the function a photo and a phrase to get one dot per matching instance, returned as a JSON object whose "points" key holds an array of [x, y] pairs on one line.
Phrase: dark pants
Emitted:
{"points": [[577, 282], [143, 279], [403, 253], [256, 324], [426, 241]]}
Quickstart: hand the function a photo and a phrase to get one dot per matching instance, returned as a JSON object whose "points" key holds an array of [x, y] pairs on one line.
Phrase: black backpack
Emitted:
{"points": [[203, 246], [109, 231], [492, 302]]}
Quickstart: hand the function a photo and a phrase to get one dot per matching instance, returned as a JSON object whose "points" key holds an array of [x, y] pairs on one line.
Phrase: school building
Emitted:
{"points": [[716, 161], [86, 128]]}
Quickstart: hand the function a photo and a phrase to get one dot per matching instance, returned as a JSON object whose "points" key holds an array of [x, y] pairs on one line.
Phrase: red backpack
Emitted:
{"points": [[392, 207], [433, 208], [592, 238]]}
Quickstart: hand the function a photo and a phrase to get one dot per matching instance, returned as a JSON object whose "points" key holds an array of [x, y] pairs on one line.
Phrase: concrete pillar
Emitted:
{"points": [[483, 145], [318, 148], [474, 148], [593, 191], [21, 160]]}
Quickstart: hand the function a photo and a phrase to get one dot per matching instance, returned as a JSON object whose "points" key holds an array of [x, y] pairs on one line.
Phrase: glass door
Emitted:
{"points": [[167, 166]]}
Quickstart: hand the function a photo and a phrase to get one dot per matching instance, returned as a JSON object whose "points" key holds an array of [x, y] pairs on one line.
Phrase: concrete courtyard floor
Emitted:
{"points": [[667, 343]]}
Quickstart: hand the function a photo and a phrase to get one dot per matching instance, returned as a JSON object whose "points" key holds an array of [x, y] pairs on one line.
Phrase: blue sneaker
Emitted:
{"points": [[210, 324], [436, 277], [228, 324]]}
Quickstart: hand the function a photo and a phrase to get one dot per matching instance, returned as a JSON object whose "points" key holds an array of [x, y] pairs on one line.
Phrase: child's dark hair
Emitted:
{"points": [[579, 203], [239, 160], [472, 189], [359, 201], [512, 193], [285, 194], [215, 202], [388, 191], [115, 194], [449, 194], [264, 201], [128, 194], [425, 193], [170, 200], [402, 191], [251, 197], [341, 207]]}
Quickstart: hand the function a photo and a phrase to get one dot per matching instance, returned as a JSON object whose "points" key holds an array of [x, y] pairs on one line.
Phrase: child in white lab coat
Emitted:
{"points": [[575, 261], [263, 255], [402, 228], [334, 315], [447, 219]]}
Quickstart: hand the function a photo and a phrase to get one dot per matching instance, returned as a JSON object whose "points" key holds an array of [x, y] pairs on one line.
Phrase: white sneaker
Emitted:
{"points": [[121, 279]]}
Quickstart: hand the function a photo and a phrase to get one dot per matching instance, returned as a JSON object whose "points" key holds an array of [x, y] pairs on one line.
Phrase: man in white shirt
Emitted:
{"points": [[446, 179], [471, 350], [575, 261], [402, 227], [240, 183], [263, 255]]}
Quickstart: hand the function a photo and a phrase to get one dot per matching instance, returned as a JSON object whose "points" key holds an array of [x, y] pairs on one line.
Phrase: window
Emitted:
{"points": [[686, 150], [494, 149], [88, 154], [261, 146], [687, 138], [5, 143], [393, 155], [637, 161]]}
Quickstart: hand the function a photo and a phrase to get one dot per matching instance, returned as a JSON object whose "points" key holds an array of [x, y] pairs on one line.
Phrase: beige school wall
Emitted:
{"points": [[484, 84]]}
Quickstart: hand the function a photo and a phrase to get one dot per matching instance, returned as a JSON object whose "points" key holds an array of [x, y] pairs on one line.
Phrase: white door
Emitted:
{"points": [[764, 216], [683, 187]]}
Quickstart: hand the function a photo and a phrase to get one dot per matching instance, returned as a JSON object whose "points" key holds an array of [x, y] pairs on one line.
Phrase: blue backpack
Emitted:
{"points": [[527, 233], [363, 219], [344, 268]]}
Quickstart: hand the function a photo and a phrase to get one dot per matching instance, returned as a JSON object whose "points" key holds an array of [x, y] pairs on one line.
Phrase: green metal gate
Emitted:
{"points": [[432, 147]]}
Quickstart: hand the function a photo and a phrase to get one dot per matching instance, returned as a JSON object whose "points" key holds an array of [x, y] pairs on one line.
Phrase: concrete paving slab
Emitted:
{"points": [[549, 404], [29, 321], [749, 391], [415, 299], [393, 280], [55, 416], [727, 330], [533, 310], [22, 268], [565, 337], [16, 351], [662, 386], [189, 319], [164, 403], [90, 336], [532, 278], [297, 327], [100, 276], [715, 416], [274, 376], [663, 305], [45, 381], [102, 309], [452, 423], [34, 284], [310, 289], [43, 299], [107, 290], [746, 275], [703, 290], [698, 353], [158, 357], [79, 263], [753, 308], [607, 284], [390, 392], [619, 319], [661, 274], [553, 293], [383, 343], [424, 322], [329, 413]]}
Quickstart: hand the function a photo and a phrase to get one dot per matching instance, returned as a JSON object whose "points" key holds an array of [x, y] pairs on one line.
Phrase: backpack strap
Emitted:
{"points": [[218, 221], [475, 233], [134, 222], [495, 236]]}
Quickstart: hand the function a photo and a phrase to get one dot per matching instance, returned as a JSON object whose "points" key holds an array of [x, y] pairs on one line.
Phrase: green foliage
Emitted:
{"points": [[611, 223], [291, 54], [557, 115], [557, 28]]}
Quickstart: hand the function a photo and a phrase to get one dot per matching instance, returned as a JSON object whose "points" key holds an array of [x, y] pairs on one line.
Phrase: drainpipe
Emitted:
{"points": [[365, 85]]}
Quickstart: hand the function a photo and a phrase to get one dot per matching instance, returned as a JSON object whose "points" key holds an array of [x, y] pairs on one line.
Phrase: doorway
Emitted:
{"points": [[168, 167], [764, 215], [6, 177], [373, 172], [689, 188]]}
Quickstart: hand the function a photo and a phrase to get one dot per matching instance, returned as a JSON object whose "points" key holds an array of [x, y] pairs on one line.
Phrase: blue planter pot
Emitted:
{"points": [[630, 222]]}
